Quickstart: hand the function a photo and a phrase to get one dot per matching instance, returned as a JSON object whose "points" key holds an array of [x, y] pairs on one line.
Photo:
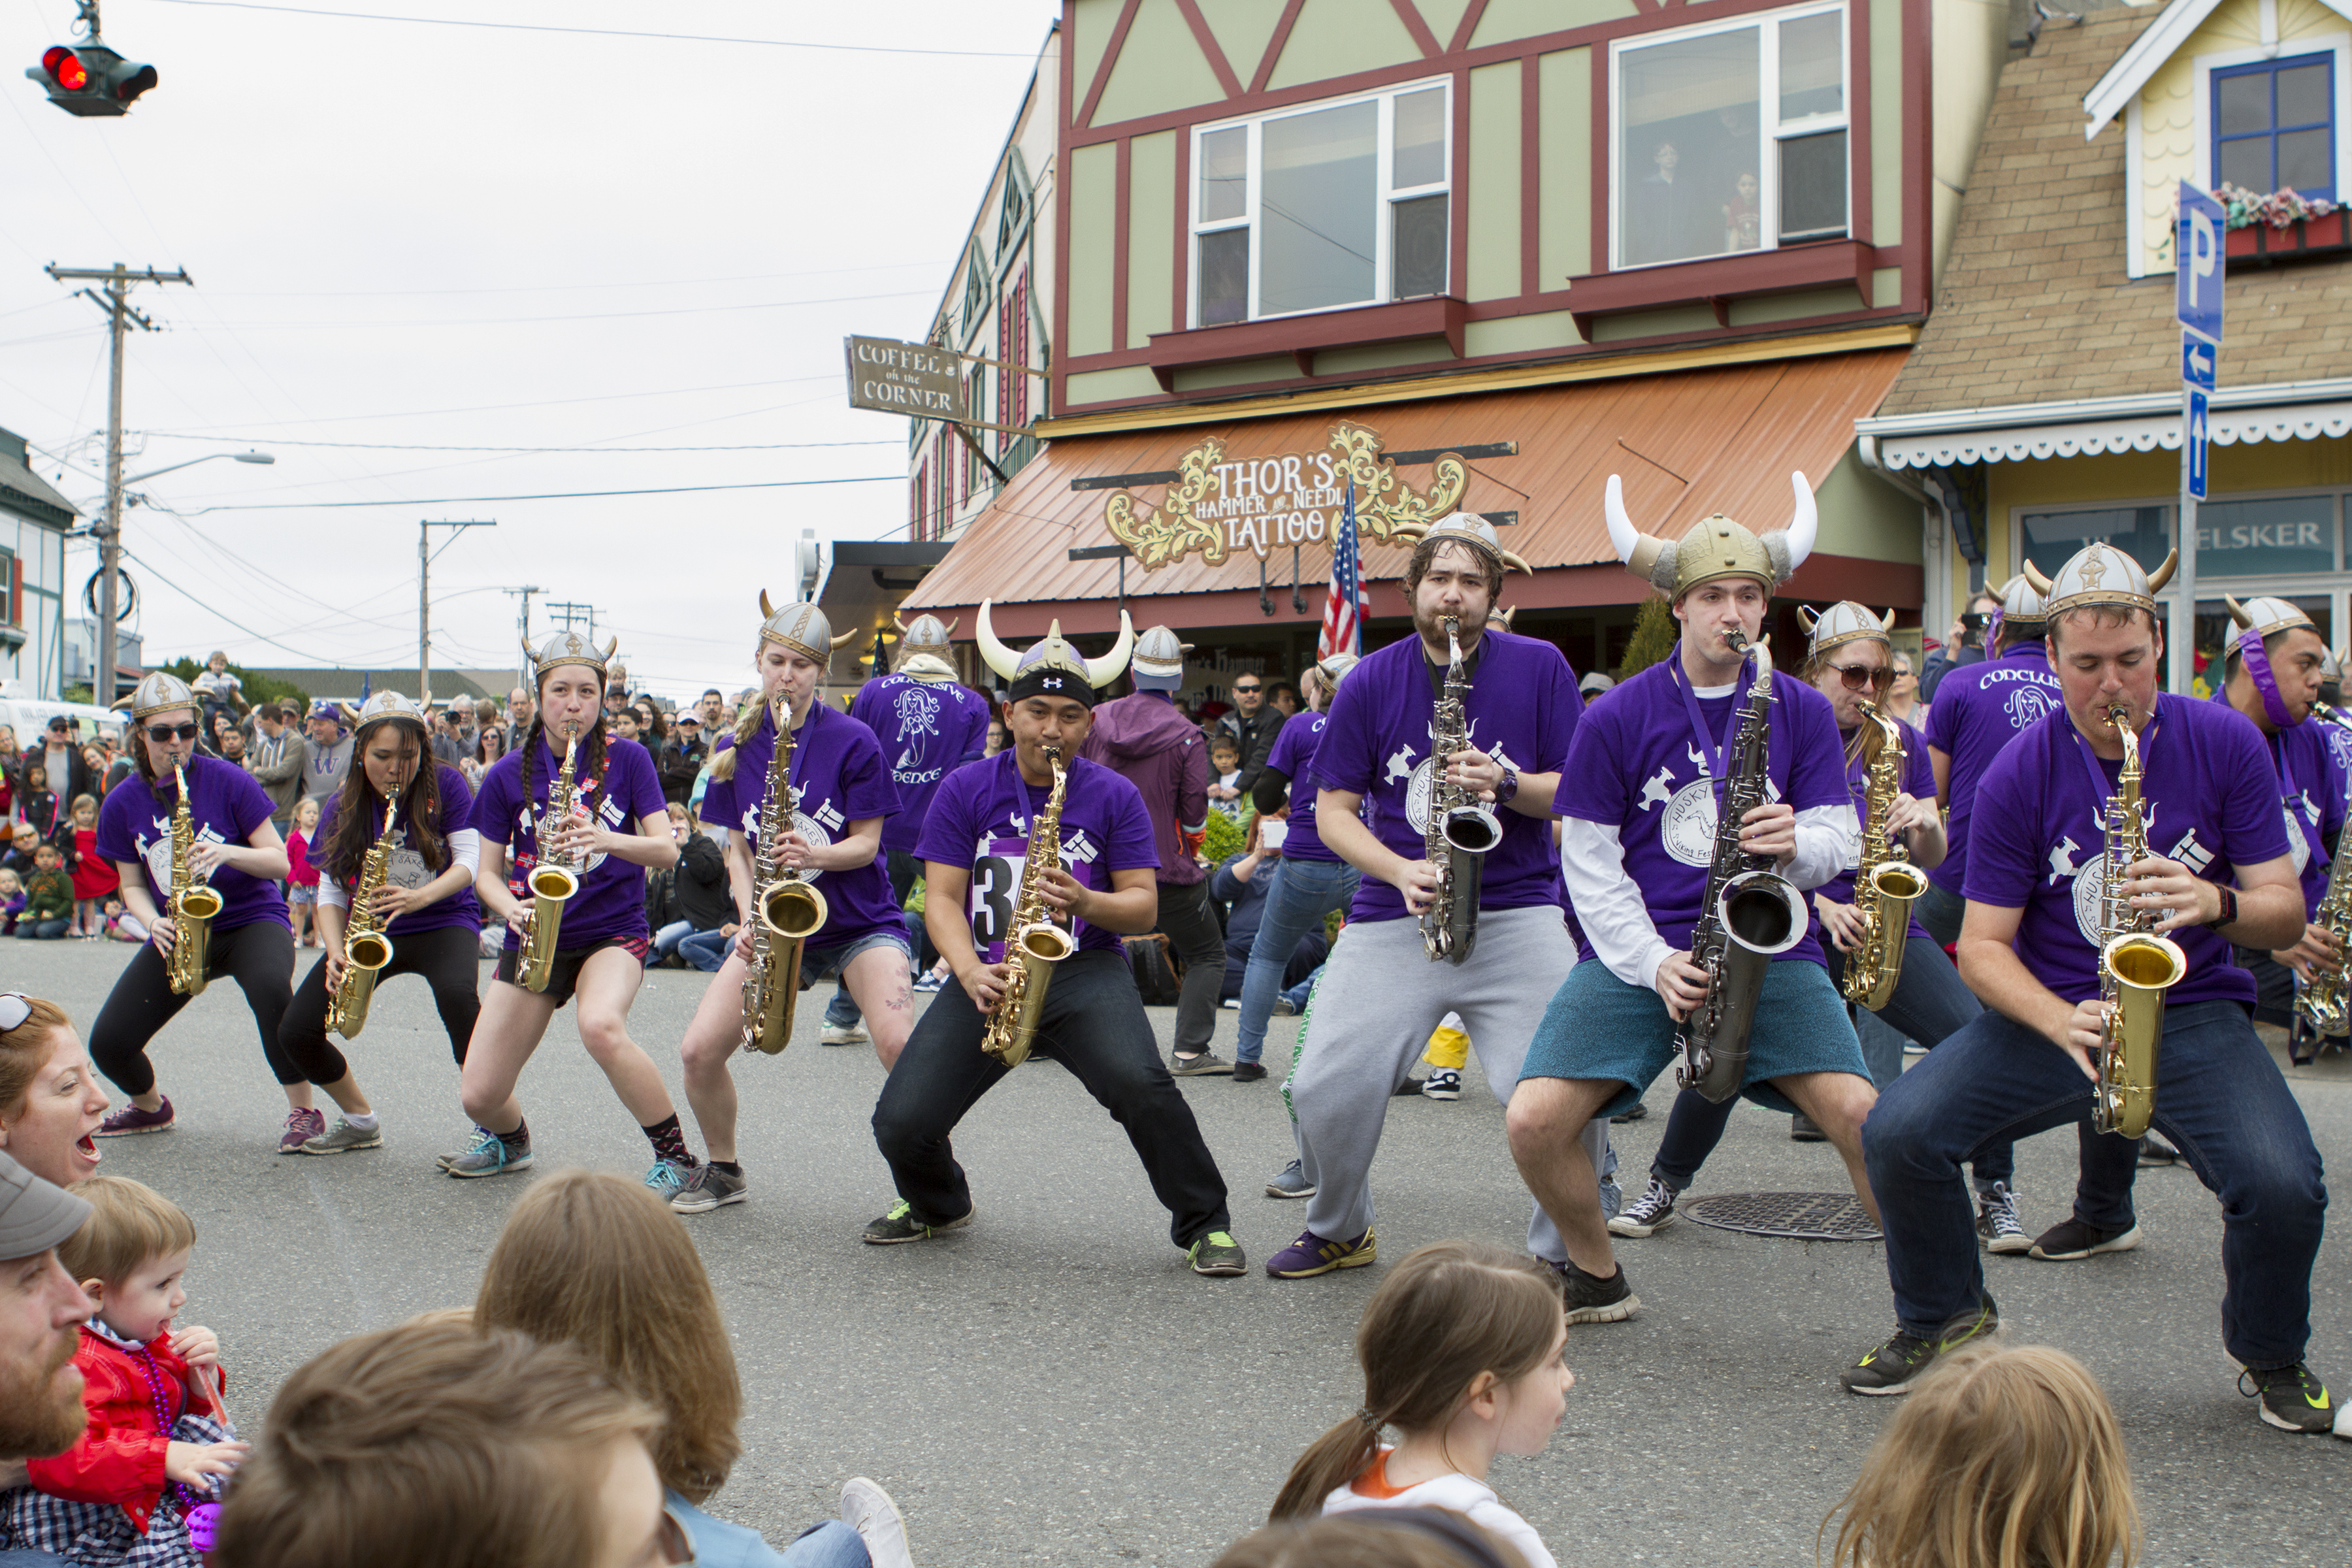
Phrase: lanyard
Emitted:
{"points": [[1714, 760], [2101, 789]]}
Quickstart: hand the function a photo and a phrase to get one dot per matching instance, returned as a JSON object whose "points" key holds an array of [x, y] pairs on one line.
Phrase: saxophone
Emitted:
{"points": [[786, 911], [193, 905], [2135, 965], [366, 948], [552, 881], [1749, 916], [1035, 944], [1885, 883], [2323, 1004], [1462, 828]]}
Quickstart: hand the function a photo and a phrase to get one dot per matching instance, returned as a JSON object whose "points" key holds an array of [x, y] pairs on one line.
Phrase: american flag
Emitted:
{"points": [[1346, 605]]}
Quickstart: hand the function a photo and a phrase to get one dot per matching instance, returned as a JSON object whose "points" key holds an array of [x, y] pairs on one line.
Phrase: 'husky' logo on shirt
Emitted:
{"points": [[918, 711], [157, 852], [1654, 793], [807, 826], [2091, 881], [1686, 828], [1417, 787]]}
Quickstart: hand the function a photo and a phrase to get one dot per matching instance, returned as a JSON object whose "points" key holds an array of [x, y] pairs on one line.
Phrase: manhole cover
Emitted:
{"points": [[1802, 1216]]}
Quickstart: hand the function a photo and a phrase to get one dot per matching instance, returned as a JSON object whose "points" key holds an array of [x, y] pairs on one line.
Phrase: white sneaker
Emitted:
{"points": [[866, 1508], [1443, 1084], [835, 1035]]}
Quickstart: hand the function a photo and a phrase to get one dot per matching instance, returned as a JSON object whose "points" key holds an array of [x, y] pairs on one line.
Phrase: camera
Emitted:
{"points": [[1972, 628]]}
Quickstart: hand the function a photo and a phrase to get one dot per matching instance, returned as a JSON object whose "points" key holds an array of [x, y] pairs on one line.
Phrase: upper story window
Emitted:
{"points": [[1730, 137], [2275, 125], [1311, 209]]}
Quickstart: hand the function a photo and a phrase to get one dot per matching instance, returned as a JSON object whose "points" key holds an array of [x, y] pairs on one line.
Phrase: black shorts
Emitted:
{"points": [[563, 973]]}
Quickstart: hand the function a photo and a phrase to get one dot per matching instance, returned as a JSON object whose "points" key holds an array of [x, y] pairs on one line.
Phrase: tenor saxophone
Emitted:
{"points": [[2135, 965], [1885, 883], [552, 881], [1461, 827], [193, 904], [1035, 944], [366, 947], [2323, 1004], [787, 910]]}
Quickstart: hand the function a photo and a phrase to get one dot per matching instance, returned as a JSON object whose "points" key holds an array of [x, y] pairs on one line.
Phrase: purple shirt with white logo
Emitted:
{"points": [[611, 902], [406, 868], [1980, 709], [1294, 757], [2210, 799], [979, 818], [1522, 710], [1919, 780], [928, 729], [134, 826], [837, 778], [1642, 768], [2311, 785]]}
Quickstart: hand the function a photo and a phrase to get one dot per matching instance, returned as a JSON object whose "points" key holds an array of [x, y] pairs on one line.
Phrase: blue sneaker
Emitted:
{"points": [[1311, 1255], [668, 1178], [489, 1157], [1290, 1182]]}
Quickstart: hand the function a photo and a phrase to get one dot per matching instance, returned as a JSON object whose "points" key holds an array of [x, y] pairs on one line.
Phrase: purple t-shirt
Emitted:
{"points": [[407, 867], [837, 778], [2212, 803], [1522, 710], [927, 729], [1980, 709], [134, 826], [2311, 785], [1918, 780], [1641, 767], [979, 818], [1294, 757], [611, 902]]}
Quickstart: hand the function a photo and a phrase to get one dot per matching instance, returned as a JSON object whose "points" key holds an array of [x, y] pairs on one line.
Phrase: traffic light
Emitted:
{"points": [[90, 79]]}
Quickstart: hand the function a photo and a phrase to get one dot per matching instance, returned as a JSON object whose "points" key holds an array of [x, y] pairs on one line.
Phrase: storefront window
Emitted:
{"points": [[2142, 532], [2277, 537]]}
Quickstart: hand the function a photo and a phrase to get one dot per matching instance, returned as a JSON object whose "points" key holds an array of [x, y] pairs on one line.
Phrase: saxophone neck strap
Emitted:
{"points": [[1714, 754], [2103, 789], [1433, 670]]}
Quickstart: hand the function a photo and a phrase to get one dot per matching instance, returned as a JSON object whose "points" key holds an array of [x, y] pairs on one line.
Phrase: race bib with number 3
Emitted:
{"points": [[996, 893]]}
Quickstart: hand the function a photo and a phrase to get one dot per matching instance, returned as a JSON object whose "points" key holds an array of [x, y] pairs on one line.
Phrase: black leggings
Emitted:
{"points": [[450, 961], [259, 956]]}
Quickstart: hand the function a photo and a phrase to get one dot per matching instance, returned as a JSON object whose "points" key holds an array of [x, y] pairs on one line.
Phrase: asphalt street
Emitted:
{"points": [[1052, 1385]]}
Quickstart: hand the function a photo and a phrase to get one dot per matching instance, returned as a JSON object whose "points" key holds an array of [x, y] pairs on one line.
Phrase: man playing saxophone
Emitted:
{"points": [[2031, 949], [976, 848]]}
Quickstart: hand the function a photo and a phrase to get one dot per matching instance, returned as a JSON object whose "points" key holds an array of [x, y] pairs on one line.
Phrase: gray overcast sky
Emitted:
{"points": [[407, 236]]}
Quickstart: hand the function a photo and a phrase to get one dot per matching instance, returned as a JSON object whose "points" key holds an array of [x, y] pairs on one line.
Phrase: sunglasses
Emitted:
{"points": [[159, 733], [15, 1008], [1857, 676], [1249, 690]]}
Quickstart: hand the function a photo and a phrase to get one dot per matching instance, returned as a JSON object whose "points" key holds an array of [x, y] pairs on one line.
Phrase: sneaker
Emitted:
{"points": [[1217, 1253], [1311, 1255], [1652, 1211], [900, 1224], [1443, 1084], [1802, 1131], [1997, 1222], [1406, 1090], [708, 1188], [301, 1126], [130, 1120], [2070, 1239], [843, 1035], [1283, 1009], [1290, 1182], [2293, 1399], [1634, 1112], [489, 1157], [1249, 1072], [1232, 1003], [1895, 1365], [1587, 1300], [668, 1178], [1206, 1065], [345, 1139], [2155, 1150], [866, 1508], [930, 983]]}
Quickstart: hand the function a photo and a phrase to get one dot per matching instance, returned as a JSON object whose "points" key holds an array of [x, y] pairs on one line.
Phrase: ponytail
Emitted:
{"points": [[1334, 1459], [747, 724]]}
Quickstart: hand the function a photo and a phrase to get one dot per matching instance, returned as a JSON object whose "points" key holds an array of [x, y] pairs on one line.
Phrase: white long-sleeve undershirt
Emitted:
{"points": [[464, 850]]}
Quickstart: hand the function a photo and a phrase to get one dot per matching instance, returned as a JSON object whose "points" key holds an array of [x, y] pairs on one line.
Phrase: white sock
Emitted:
{"points": [[361, 1122]]}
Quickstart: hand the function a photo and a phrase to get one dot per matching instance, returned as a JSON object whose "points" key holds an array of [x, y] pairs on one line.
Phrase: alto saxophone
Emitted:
{"points": [[193, 905], [1461, 827], [552, 881], [366, 948], [787, 910], [1035, 944], [2323, 1004], [2135, 965], [1750, 914], [1885, 883]]}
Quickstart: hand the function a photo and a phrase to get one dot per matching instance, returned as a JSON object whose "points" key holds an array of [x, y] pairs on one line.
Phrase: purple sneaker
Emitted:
{"points": [[130, 1120], [301, 1126], [1311, 1255]]}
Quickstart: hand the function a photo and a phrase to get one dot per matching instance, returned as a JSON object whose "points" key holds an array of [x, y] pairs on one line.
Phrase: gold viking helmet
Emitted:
{"points": [[1715, 547], [802, 628], [389, 706], [158, 692], [559, 648], [2265, 617], [1843, 623], [2100, 577], [1054, 653], [923, 634], [1464, 528]]}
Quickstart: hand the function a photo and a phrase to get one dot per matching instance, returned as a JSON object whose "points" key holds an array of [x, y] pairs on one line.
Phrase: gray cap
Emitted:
{"points": [[34, 1215], [1595, 682], [1159, 661]]}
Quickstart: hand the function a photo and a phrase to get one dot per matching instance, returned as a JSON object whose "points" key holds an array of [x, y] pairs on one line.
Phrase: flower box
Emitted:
{"points": [[2259, 243]]}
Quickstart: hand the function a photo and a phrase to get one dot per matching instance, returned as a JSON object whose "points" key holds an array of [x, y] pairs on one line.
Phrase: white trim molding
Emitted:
{"points": [[2164, 39], [2290, 411]]}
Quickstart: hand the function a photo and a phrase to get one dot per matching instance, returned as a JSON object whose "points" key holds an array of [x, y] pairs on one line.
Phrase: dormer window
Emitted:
{"points": [[2275, 125]]}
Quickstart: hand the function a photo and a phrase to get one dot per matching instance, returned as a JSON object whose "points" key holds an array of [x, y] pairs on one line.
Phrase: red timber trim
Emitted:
{"points": [[1274, 48], [1604, 175], [1530, 176], [1180, 312], [1918, 156], [1457, 239], [1719, 281], [1118, 245], [1057, 368], [1857, 126], [1467, 28], [1422, 38], [1109, 60], [1300, 336], [1210, 46]]}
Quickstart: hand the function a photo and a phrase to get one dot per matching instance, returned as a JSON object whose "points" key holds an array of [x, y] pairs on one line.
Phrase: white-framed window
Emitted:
{"points": [[1346, 202], [1731, 136]]}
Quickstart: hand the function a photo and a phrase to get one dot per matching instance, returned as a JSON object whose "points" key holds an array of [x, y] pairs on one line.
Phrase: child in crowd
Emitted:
{"points": [[121, 924], [95, 880], [301, 876], [1461, 1348], [2003, 1456], [36, 802], [155, 1446], [1224, 777], [48, 898], [12, 900]]}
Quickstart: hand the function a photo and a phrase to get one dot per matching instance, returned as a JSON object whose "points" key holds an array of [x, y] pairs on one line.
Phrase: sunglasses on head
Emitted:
{"points": [[1857, 676], [159, 733]]}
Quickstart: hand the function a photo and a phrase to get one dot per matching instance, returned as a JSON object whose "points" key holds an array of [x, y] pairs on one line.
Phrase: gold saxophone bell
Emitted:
{"points": [[2142, 967], [793, 911], [551, 884]]}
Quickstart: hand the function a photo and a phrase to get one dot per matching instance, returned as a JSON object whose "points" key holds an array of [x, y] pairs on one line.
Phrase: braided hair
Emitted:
{"points": [[420, 812], [589, 765]]}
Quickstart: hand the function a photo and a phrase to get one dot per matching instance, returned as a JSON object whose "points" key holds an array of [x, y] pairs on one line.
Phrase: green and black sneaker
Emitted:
{"points": [[1895, 1365], [2293, 1399], [900, 1224], [1217, 1253]]}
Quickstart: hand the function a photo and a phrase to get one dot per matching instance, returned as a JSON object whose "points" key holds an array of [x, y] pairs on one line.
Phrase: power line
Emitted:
{"points": [[562, 401], [564, 288], [158, 574], [398, 446], [584, 316], [551, 495], [607, 32]]}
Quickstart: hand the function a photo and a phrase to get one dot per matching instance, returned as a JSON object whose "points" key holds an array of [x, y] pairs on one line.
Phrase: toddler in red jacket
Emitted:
{"points": [[157, 1443]]}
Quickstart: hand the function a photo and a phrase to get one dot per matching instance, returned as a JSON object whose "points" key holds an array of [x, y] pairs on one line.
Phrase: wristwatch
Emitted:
{"points": [[2229, 907], [1509, 786]]}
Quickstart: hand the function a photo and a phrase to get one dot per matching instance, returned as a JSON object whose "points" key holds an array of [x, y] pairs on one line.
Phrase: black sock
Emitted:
{"points": [[727, 1167], [518, 1139], [668, 1141]]}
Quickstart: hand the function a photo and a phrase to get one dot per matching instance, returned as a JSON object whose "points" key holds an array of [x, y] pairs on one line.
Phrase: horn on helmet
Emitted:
{"points": [[2238, 614], [1808, 618], [1101, 672], [1889, 622], [612, 646], [898, 623], [950, 627], [846, 639], [2037, 580], [1639, 551], [2163, 574], [767, 610], [993, 653], [1805, 526], [529, 654]]}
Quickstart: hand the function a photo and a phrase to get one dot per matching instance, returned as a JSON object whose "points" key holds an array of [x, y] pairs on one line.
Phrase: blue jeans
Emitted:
{"points": [[707, 950], [665, 940], [30, 1560], [2220, 1098], [841, 1013], [1304, 892], [720, 1544], [1296, 996]]}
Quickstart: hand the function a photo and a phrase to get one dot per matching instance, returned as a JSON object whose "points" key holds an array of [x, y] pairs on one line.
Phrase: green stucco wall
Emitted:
{"points": [[1090, 188]]}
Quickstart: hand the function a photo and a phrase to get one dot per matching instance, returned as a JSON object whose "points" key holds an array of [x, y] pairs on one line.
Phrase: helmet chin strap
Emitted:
{"points": [[2258, 669]]}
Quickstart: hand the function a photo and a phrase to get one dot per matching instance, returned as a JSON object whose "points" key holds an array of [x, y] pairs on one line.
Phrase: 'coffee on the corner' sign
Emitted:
{"points": [[905, 378]]}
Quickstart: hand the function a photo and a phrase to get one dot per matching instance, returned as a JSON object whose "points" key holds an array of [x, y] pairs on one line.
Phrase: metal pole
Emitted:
{"points": [[424, 620], [102, 680], [2184, 630]]}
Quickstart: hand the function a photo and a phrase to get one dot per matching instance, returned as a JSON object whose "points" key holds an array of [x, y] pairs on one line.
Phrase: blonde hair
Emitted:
{"points": [[747, 724], [309, 803], [129, 1223], [2003, 1456], [1369, 1537]]}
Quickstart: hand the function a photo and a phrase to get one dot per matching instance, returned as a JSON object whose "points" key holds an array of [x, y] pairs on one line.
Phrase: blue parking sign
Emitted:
{"points": [[2196, 437], [2197, 250], [2196, 360]]}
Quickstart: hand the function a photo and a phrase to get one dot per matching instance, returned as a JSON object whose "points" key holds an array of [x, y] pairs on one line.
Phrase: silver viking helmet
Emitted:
{"points": [[1054, 653], [923, 634], [802, 628], [1329, 672], [1715, 547], [390, 707], [1464, 528], [1500, 619], [2265, 617], [1843, 623], [2100, 577], [159, 692], [559, 648], [2021, 604], [1159, 661]]}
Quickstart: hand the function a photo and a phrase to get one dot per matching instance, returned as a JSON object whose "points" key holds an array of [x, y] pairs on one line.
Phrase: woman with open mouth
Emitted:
{"points": [[50, 1100]]}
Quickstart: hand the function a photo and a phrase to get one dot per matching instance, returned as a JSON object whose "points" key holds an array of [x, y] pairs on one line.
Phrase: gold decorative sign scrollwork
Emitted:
{"points": [[1218, 508]]}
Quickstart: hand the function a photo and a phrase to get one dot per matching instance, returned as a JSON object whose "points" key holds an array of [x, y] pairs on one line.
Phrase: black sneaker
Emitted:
{"points": [[1802, 1131], [1634, 1112], [900, 1224], [1249, 1072], [1587, 1299], [1645, 1214], [1410, 1086], [1895, 1365], [2070, 1239], [2154, 1151], [2293, 1399]]}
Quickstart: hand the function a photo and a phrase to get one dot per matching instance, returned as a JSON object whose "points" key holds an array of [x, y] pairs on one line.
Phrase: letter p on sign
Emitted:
{"points": [[2198, 246]]}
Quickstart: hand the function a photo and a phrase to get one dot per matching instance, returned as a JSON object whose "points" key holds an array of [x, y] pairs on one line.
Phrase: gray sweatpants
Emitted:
{"points": [[1373, 1012]]}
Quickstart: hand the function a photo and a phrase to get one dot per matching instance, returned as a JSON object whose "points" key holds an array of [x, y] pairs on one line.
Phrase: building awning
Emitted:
{"points": [[866, 582], [2289, 411], [1686, 444]]}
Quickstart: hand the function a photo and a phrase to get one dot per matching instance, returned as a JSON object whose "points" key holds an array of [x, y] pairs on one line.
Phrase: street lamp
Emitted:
{"points": [[104, 676], [130, 500]]}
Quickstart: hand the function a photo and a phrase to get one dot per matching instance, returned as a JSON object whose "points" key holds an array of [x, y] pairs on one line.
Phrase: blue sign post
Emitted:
{"points": [[2198, 271]]}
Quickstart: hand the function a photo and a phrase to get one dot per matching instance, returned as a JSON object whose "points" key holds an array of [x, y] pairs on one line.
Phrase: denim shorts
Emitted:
{"points": [[825, 962]]}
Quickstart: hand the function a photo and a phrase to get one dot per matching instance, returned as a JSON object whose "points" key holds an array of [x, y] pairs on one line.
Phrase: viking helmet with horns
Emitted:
{"points": [[2265, 617], [924, 633], [802, 628], [1715, 547], [2100, 577], [1466, 528], [1843, 623], [1053, 657], [390, 707], [559, 648], [2022, 603], [159, 692]]}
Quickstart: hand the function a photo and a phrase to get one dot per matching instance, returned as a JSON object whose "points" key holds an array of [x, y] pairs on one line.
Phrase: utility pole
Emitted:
{"points": [[120, 318], [572, 613], [522, 625], [425, 603]]}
